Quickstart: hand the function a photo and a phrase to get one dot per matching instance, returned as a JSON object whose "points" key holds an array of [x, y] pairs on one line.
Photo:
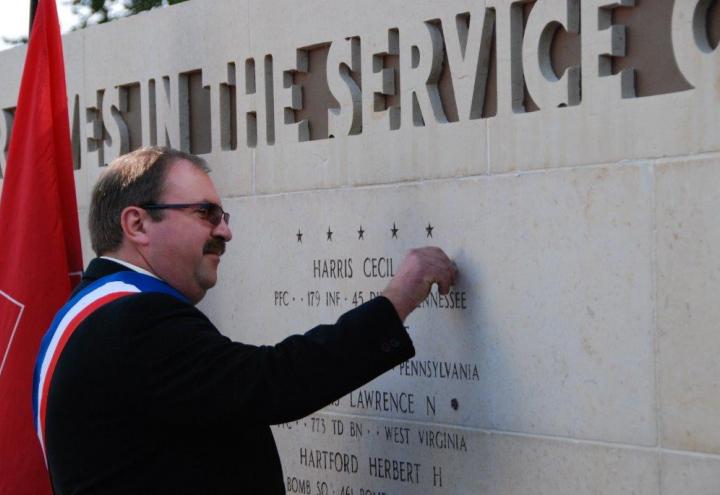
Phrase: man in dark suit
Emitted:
{"points": [[137, 392]]}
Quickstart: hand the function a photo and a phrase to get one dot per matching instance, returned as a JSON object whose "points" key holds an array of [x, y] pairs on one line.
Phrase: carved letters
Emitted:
{"points": [[389, 79]]}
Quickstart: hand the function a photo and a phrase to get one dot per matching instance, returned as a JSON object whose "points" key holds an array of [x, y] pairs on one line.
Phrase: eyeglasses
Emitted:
{"points": [[211, 212]]}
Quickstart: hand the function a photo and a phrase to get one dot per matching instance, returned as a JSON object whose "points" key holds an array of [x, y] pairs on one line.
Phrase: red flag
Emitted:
{"points": [[40, 239]]}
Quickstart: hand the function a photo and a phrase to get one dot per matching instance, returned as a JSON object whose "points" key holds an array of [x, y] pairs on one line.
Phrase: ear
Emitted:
{"points": [[133, 221]]}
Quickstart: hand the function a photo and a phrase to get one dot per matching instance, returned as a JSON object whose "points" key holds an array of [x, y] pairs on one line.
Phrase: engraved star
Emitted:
{"points": [[394, 231], [429, 230], [329, 234], [299, 236], [361, 233]]}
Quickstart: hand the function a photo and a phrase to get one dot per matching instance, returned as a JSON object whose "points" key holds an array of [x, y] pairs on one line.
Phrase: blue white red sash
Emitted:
{"points": [[66, 321]]}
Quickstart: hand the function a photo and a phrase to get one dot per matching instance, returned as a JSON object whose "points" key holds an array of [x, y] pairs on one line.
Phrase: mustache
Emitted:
{"points": [[214, 246]]}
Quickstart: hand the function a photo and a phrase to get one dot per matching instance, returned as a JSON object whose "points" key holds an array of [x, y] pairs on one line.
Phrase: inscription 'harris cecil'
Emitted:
{"points": [[342, 268]]}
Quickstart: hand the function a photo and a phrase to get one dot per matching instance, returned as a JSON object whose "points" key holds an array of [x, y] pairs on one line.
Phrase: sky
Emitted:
{"points": [[14, 15]]}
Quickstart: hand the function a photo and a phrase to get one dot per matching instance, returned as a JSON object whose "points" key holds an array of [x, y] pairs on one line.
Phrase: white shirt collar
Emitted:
{"points": [[131, 266]]}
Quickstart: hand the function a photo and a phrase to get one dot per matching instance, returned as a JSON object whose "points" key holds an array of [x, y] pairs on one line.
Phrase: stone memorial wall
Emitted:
{"points": [[566, 154]]}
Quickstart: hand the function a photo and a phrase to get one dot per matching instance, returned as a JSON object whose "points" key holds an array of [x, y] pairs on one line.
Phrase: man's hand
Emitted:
{"points": [[421, 268]]}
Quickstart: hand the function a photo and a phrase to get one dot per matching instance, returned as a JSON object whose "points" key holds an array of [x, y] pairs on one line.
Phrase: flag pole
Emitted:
{"points": [[33, 8]]}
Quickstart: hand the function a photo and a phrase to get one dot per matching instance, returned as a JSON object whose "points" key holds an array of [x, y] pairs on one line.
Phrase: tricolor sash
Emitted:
{"points": [[67, 320]]}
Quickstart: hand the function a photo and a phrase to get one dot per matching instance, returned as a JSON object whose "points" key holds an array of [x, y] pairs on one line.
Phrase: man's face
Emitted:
{"points": [[184, 248]]}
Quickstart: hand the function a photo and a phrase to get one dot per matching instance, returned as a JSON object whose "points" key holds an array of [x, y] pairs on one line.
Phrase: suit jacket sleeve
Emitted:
{"points": [[190, 374]]}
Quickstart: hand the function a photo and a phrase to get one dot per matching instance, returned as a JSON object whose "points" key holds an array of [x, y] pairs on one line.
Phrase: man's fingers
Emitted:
{"points": [[447, 280], [434, 255], [442, 275], [421, 268], [445, 273], [453, 273]]}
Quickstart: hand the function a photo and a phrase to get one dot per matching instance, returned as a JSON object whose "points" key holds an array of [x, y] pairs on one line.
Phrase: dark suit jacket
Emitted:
{"points": [[148, 396]]}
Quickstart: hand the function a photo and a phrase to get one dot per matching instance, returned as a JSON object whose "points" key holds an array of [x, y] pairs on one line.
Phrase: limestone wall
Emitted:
{"points": [[571, 172]]}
